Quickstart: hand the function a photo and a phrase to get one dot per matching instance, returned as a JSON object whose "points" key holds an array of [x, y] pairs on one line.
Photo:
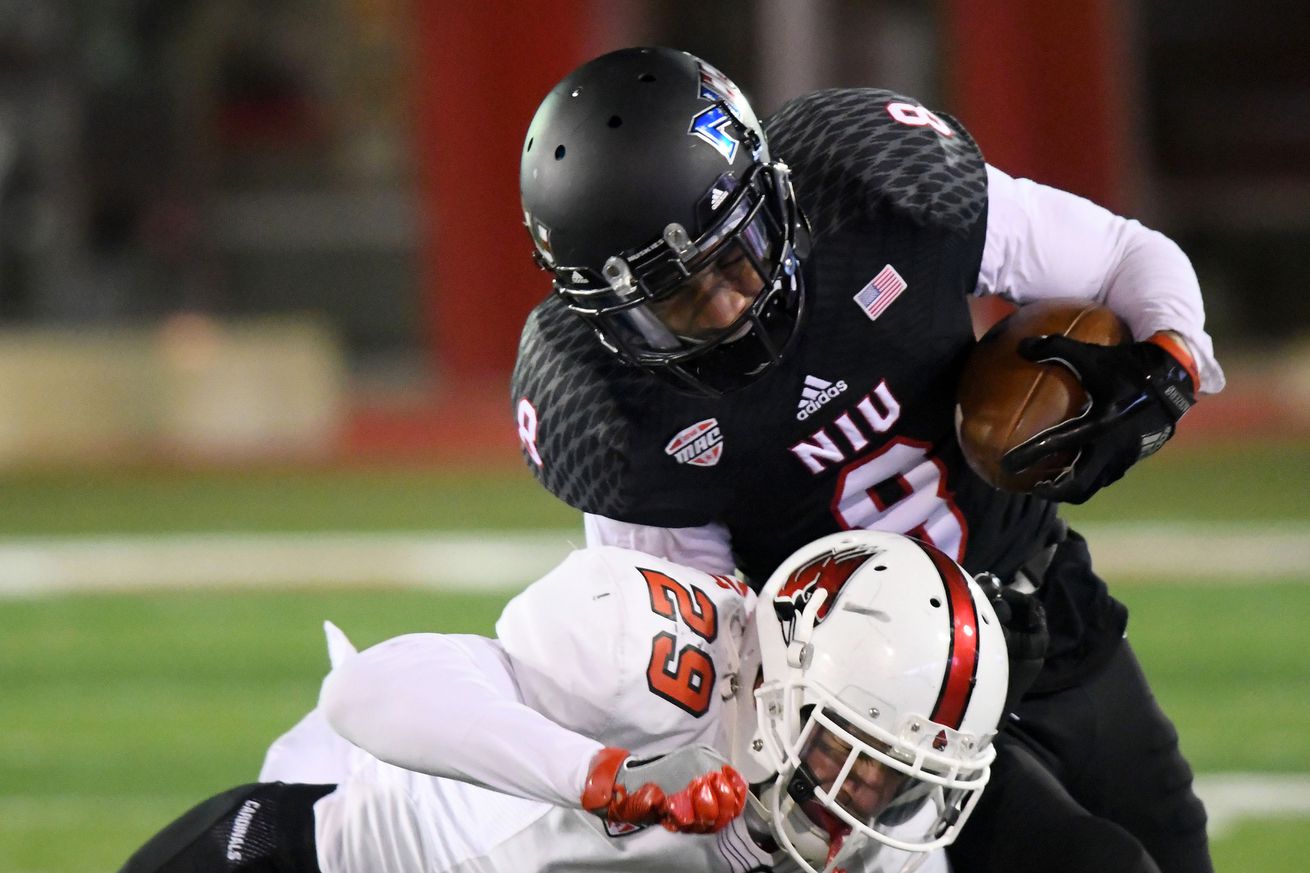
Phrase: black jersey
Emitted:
{"points": [[855, 428]]}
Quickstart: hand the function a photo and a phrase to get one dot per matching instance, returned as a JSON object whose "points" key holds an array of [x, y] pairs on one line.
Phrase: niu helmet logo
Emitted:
{"points": [[829, 571], [718, 123]]}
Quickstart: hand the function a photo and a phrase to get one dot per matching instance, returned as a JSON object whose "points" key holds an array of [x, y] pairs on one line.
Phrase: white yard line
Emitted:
{"points": [[1232, 797], [467, 561], [1205, 551], [505, 562], [497, 561]]}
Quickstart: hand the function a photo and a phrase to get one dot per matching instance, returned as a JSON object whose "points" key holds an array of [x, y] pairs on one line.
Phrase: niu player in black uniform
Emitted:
{"points": [[755, 340]]}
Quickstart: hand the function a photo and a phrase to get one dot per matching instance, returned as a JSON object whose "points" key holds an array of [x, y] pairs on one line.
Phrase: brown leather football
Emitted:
{"points": [[1005, 399]]}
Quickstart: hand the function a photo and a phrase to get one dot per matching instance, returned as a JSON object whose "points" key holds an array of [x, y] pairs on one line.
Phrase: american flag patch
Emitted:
{"points": [[880, 292]]}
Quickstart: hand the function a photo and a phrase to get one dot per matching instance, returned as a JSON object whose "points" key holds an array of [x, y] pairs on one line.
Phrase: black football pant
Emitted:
{"points": [[259, 828], [1089, 779]]}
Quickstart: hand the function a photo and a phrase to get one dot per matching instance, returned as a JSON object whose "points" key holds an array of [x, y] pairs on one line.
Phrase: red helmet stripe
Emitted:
{"points": [[962, 652]]}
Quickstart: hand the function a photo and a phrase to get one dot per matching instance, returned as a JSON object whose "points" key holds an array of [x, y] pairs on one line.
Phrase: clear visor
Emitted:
{"points": [[883, 791], [854, 778], [716, 296], [681, 303], [710, 313], [721, 289]]}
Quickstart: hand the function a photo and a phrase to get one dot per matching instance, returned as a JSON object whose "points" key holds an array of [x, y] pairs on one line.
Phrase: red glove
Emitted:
{"points": [[607, 797], [708, 804], [690, 791]]}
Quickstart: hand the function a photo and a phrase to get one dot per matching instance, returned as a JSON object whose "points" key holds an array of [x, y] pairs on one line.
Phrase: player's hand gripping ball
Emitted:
{"points": [[1004, 399]]}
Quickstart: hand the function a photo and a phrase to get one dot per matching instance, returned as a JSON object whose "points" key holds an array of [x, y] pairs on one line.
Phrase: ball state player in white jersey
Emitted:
{"points": [[754, 340], [632, 715]]}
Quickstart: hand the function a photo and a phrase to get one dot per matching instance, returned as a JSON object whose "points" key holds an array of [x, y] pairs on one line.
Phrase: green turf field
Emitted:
{"points": [[119, 711], [1190, 481], [122, 710]]}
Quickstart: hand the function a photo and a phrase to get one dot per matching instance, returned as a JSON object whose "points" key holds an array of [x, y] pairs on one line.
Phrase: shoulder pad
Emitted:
{"points": [[600, 615], [592, 428], [853, 151]]}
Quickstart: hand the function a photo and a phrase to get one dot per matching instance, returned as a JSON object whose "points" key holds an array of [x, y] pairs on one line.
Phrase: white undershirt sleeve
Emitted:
{"points": [[1043, 242], [447, 705], [707, 547]]}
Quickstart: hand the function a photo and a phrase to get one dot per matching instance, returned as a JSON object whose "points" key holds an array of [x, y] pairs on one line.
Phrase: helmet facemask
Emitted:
{"points": [[845, 781], [884, 677], [646, 304]]}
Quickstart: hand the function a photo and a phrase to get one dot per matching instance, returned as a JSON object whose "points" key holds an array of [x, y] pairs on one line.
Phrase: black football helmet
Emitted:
{"points": [[643, 171]]}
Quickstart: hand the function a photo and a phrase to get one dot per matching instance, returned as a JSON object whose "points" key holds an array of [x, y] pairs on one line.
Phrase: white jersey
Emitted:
{"points": [[478, 748]]}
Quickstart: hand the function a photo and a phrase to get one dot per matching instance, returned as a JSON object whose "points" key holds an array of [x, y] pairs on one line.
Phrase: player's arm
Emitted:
{"points": [[706, 547], [447, 706], [1043, 243]]}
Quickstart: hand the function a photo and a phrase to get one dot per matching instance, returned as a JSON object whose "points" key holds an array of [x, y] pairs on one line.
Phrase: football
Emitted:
{"points": [[1005, 399]]}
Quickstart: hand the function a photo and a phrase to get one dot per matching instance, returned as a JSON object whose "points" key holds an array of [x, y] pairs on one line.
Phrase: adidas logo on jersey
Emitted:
{"points": [[815, 393]]}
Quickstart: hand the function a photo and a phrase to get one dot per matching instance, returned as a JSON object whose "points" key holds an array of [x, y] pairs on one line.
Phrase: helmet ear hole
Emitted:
{"points": [[559, 152], [646, 77], [615, 121]]}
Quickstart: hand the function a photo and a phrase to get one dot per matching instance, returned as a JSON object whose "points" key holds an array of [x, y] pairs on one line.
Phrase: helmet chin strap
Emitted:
{"points": [[804, 840], [837, 829], [817, 848]]}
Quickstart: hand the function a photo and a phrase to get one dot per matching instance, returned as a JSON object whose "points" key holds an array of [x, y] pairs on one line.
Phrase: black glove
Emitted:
{"points": [[1023, 623], [1138, 392]]}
